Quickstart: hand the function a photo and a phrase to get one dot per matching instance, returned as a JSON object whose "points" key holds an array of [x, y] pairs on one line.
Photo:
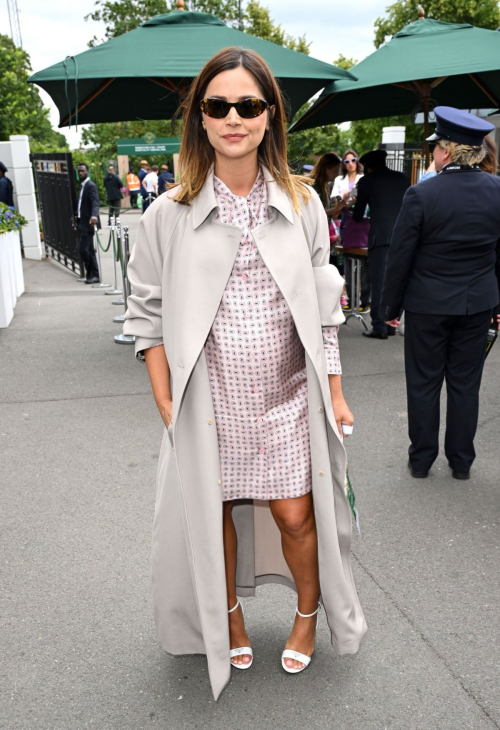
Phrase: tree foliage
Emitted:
{"points": [[125, 15], [483, 13], [21, 109]]}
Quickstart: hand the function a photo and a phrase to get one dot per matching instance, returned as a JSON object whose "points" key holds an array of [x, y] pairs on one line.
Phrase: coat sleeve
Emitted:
{"points": [[329, 283], [143, 318], [404, 242], [94, 201], [358, 211], [497, 271]]}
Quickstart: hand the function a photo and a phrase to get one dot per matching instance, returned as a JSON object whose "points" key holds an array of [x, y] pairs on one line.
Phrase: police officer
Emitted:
{"points": [[443, 269]]}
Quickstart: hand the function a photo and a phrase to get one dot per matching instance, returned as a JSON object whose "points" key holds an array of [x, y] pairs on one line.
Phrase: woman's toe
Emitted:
{"points": [[289, 663]]}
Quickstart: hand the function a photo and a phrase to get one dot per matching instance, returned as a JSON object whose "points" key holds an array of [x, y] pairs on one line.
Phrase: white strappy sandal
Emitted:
{"points": [[291, 654], [241, 649]]}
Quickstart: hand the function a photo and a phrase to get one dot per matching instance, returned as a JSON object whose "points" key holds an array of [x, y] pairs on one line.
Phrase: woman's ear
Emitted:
{"points": [[270, 115]]}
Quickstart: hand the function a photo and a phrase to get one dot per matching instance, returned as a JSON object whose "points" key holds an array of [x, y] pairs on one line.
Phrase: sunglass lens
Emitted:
{"points": [[250, 108], [216, 108]]}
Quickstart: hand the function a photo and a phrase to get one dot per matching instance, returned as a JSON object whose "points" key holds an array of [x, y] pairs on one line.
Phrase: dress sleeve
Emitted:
{"points": [[332, 353]]}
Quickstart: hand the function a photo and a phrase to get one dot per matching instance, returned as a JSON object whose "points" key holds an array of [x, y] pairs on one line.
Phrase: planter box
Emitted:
{"points": [[11, 275]]}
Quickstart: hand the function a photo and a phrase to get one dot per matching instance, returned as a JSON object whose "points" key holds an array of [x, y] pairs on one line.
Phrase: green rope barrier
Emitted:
{"points": [[105, 250]]}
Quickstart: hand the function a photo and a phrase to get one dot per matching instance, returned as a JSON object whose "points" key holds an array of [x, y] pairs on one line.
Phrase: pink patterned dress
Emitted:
{"points": [[257, 370]]}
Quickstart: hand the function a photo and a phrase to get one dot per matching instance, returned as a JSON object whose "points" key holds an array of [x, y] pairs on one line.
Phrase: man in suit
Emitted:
{"points": [[443, 269], [88, 217], [382, 190]]}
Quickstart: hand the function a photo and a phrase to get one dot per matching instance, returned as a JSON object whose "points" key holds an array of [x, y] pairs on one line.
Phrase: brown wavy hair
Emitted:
{"points": [[197, 155], [359, 166], [490, 161], [318, 174]]}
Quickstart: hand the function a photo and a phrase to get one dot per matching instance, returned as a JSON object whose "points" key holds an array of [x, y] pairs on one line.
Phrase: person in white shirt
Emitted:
{"points": [[342, 200], [150, 184]]}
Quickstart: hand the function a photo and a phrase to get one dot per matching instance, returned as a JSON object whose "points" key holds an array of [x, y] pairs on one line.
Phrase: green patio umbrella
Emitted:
{"points": [[426, 64], [141, 74]]}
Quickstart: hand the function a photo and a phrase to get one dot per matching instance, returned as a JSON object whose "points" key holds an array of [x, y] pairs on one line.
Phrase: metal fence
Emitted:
{"points": [[405, 157]]}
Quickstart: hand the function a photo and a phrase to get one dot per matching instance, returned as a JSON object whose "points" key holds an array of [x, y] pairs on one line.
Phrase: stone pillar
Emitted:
{"points": [[25, 201], [123, 167]]}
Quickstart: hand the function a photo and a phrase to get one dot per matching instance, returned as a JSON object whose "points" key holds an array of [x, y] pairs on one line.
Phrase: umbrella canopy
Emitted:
{"points": [[428, 63], [140, 75]]}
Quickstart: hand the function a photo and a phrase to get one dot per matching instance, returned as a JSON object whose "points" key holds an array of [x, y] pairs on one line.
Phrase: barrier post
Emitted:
{"points": [[115, 289], [119, 255], [122, 339], [99, 265]]}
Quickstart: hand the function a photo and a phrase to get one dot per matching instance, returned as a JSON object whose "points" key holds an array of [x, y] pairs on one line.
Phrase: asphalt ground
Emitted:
{"points": [[79, 443]]}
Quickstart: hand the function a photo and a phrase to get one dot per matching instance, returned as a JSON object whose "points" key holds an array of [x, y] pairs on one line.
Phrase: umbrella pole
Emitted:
{"points": [[425, 107]]}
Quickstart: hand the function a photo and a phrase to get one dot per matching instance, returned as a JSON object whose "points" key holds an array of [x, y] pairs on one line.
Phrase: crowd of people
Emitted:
{"points": [[362, 198]]}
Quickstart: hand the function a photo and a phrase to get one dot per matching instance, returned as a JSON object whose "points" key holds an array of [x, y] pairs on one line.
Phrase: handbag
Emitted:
{"points": [[354, 234]]}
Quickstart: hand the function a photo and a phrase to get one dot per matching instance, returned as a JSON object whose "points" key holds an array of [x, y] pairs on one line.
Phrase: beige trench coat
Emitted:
{"points": [[178, 270]]}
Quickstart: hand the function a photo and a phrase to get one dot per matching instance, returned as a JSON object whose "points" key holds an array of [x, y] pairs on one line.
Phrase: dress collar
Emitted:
{"points": [[205, 202]]}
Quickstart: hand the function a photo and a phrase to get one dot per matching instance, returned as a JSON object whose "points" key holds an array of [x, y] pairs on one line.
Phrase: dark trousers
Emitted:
{"points": [[86, 251], [452, 348], [133, 198], [114, 207], [377, 257], [147, 200], [365, 281]]}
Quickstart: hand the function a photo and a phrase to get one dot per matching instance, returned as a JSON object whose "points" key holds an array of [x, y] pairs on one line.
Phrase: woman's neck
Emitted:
{"points": [[238, 175], [352, 175]]}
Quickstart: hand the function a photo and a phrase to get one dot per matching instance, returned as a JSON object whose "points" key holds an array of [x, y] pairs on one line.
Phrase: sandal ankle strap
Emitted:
{"points": [[307, 615], [234, 609]]}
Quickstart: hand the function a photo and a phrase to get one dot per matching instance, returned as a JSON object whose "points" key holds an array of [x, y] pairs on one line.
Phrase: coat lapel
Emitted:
{"points": [[206, 258]]}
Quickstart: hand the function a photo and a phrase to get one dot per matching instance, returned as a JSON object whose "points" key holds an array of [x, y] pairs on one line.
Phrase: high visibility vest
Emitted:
{"points": [[133, 182]]}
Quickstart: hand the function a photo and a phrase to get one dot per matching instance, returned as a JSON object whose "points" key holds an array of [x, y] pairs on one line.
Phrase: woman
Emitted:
{"points": [[231, 287], [324, 173], [350, 172], [342, 193]]}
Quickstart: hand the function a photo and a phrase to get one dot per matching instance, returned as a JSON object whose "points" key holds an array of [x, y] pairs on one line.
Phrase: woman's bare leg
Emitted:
{"points": [[237, 633], [299, 540]]}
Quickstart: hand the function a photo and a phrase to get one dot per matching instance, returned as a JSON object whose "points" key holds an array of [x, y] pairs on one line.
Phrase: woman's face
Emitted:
{"points": [[233, 137], [332, 172], [350, 162]]}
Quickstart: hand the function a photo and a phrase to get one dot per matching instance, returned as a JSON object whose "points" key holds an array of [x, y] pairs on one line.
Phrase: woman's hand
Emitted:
{"points": [[393, 323], [166, 412], [342, 414]]}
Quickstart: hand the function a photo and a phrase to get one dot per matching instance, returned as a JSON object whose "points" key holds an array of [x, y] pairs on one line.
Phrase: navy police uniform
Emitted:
{"points": [[443, 270]]}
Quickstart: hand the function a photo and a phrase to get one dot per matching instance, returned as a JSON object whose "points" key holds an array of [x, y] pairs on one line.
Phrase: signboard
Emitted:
{"points": [[149, 144]]}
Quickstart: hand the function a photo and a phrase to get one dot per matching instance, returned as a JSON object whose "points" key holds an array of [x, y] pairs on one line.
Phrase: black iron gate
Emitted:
{"points": [[55, 182]]}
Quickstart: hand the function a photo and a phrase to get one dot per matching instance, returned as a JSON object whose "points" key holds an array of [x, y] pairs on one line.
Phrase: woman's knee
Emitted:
{"points": [[296, 522]]}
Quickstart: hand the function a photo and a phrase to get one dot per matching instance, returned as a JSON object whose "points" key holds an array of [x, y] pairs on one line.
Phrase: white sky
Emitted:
{"points": [[52, 29]]}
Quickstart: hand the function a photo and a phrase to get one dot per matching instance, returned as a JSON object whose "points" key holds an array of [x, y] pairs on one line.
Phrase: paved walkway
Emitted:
{"points": [[79, 439]]}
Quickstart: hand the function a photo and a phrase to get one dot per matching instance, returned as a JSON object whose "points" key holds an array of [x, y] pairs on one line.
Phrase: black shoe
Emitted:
{"points": [[374, 335], [463, 475], [94, 280], [417, 474], [391, 331]]}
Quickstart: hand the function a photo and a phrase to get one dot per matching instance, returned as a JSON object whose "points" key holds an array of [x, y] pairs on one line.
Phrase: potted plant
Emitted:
{"points": [[11, 266]]}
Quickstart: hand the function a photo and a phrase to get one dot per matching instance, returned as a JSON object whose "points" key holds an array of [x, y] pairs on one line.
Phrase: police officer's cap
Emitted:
{"points": [[459, 126], [374, 158], [3, 168]]}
